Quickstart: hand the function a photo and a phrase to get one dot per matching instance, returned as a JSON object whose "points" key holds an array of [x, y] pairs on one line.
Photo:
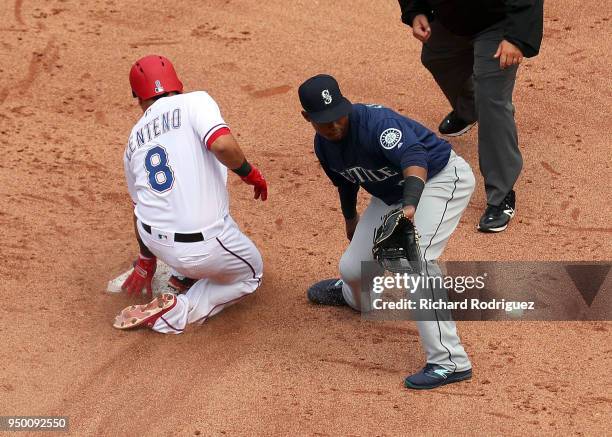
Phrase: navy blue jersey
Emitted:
{"points": [[380, 143]]}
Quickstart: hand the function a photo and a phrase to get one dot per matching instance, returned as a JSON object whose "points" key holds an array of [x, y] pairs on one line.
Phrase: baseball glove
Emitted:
{"points": [[396, 244]]}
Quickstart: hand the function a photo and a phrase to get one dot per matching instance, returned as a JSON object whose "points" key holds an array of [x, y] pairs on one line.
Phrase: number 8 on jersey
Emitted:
{"points": [[159, 172]]}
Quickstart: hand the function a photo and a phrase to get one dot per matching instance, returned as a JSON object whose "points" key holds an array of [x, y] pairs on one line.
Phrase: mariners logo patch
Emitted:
{"points": [[327, 98], [390, 138]]}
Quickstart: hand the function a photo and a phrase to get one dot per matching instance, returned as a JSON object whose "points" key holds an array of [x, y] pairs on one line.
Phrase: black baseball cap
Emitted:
{"points": [[322, 100]]}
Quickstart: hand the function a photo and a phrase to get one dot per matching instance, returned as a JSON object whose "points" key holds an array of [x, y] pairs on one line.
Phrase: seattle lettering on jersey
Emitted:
{"points": [[379, 145], [357, 175], [153, 129]]}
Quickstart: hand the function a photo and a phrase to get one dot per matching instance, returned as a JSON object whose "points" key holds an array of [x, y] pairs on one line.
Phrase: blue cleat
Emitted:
{"points": [[327, 292], [433, 375]]}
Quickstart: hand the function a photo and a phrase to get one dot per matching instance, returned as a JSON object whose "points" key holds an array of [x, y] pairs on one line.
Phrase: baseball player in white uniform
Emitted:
{"points": [[176, 163]]}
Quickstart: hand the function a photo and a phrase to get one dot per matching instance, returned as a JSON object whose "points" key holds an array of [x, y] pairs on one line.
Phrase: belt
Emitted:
{"points": [[178, 237]]}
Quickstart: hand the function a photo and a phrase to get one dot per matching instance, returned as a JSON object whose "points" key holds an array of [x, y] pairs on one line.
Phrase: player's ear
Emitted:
{"points": [[306, 117]]}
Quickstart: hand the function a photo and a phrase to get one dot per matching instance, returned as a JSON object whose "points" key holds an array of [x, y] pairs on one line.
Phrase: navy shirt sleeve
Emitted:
{"points": [[398, 142], [346, 190], [336, 179]]}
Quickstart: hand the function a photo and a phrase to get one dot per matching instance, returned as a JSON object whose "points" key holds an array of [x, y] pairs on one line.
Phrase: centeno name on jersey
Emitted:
{"points": [[154, 128]]}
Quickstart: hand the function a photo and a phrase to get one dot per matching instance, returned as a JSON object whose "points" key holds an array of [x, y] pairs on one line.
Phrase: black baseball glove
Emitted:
{"points": [[396, 244]]}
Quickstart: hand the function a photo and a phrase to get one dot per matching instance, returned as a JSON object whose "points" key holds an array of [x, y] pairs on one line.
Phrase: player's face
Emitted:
{"points": [[333, 131]]}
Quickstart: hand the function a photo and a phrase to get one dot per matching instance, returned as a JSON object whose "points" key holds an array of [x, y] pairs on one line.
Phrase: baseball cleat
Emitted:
{"points": [[433, 375], [327, 292], [145, 315], [496, 218], [453, 126], [180, 283]]}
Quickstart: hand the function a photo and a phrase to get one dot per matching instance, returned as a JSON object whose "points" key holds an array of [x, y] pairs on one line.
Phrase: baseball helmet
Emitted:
{"points": [[152, 76]]}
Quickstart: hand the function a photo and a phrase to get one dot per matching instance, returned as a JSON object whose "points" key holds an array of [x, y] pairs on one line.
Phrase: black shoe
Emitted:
{"points": [[432, 376], [180, 283], [453, 126], [327, 292], [496, 218]]}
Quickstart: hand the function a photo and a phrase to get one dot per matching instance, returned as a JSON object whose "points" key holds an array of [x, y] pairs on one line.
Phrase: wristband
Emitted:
{"points": [[243, 170], [413, 188]]}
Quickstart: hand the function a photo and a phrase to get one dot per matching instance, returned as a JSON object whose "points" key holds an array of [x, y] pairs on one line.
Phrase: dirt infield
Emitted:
{"points": [[273, 364]]}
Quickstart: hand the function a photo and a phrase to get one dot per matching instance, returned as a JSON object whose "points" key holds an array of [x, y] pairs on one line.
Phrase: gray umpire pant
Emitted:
{"points": [[479, 90], [442, 203]]}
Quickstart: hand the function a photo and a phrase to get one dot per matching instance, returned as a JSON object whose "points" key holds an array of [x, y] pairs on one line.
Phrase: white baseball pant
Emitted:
{"points": [[227, 265], [442, 203]]}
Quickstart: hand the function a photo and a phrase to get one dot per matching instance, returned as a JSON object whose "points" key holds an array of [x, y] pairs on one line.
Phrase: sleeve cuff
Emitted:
{"points": [[214, 133]]}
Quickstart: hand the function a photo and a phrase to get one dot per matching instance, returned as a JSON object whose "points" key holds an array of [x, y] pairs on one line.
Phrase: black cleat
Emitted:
{"points": [[496, 218], [327, 292], [180, 283], [453, 126]]}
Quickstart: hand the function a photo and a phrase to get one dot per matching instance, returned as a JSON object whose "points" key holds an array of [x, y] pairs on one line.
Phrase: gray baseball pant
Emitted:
{"points": [[442, 203], [478, 89]]}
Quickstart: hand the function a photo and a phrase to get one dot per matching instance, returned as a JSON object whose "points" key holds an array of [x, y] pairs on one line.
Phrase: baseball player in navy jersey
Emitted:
{"points": [[401, 164], [176, 163]]}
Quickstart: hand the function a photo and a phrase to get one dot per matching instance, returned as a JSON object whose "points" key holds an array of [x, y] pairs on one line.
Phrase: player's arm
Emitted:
{"points": [[347, 193], [228, 152], [144, 267], [348, 205], [131, 186], [399, 144], [414, 182], [144, 250], [218, 139]]}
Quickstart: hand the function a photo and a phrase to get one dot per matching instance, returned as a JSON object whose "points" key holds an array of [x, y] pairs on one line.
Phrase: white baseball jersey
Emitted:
{"points": [[175, 182]]}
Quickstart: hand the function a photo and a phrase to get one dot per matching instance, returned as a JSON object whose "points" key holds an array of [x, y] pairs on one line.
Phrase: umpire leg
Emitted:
{"points": [[498, 152], [450, 58]]}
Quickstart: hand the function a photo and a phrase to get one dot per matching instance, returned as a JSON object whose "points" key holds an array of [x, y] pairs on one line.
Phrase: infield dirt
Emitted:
{"points": [[273, 364]]}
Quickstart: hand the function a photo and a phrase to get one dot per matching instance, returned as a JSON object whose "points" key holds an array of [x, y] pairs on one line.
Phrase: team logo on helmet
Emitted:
{"points": [[158, 87], [327, 98], [390, 138]]}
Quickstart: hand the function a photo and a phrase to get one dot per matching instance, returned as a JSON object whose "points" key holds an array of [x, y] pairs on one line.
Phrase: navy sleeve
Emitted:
{"points": [[348, 200], [336, 178], [347, 191], [399, 144]]}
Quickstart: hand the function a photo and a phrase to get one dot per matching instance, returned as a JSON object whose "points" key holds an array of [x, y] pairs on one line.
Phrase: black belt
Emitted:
{"points": [[180, 238]]}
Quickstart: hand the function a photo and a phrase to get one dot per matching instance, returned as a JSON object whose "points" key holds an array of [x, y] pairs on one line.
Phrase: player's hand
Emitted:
{"points": [[420, 28], [141, 277], [508, 54], [351, 225], [409, 212], [256, 179]]}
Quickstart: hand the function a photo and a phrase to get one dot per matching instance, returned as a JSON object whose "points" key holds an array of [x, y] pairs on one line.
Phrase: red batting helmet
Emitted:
{"points": [[152, 76]]}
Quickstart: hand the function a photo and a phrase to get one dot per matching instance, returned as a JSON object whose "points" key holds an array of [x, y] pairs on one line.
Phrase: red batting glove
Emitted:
{"points": [[256, 179], [141, 277]]}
